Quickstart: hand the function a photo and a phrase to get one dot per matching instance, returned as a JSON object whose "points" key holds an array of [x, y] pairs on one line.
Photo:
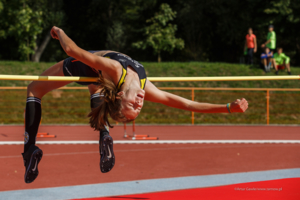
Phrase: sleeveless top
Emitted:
{"points": [[126, 61]]}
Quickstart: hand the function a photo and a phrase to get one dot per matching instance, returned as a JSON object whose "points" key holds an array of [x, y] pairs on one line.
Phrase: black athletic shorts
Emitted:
{"points": [[73, 67]]}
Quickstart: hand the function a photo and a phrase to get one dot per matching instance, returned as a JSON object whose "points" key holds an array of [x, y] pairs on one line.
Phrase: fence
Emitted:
{"points": [[266, 90], [71, 104]]}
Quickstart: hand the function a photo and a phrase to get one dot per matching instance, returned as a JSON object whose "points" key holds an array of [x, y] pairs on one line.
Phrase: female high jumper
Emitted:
{"points": [[120, 92]]}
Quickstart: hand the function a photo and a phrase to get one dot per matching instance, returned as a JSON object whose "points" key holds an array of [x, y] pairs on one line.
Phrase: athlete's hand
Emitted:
{"points": [[263, 45], [54, 32], [239, 105]]}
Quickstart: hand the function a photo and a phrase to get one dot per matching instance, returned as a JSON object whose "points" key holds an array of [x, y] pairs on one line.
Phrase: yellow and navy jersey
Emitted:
{"points": [[126, 61], [73, 67]]}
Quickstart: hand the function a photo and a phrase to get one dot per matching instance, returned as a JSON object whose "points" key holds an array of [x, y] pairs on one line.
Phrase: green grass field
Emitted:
{"points": [[72, 106]]}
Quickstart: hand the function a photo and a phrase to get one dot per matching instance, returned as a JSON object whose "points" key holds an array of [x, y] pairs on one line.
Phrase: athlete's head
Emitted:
{"points": [[132, 98], [111, 104], [122, 106]]}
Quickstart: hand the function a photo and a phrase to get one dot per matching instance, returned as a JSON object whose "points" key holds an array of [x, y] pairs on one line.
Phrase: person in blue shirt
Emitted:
{"points": [[267, 59]]}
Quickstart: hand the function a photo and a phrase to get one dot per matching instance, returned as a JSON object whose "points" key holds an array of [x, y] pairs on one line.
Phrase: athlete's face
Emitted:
{"points": [[133, 101]]}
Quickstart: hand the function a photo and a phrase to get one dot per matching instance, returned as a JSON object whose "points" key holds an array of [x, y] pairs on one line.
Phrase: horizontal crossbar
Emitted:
{"points": [[152, 79]]}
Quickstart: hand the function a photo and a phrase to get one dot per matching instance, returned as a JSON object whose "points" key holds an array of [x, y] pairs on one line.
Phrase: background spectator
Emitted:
{"points": [[271, 39], [281, 60], [266, 59], [250, 46]]}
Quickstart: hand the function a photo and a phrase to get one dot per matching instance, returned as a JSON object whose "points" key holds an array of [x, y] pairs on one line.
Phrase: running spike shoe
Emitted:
{"points": [[31, 159], [107, 156]]}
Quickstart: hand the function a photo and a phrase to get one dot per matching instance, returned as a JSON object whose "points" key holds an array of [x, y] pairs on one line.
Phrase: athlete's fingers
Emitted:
{"points": [[244, 101], [244, 104], [53, 32], [239, 105]]}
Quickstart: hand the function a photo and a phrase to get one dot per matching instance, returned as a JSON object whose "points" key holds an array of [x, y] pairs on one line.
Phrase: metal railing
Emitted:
{"points": [[193, 95], [267, 90]]}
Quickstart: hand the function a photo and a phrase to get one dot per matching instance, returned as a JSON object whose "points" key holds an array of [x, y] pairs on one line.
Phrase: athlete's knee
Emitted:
{"points": [[33, 89]]}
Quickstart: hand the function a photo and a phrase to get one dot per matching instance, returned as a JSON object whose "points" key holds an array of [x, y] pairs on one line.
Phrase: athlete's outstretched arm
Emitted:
{"points": [[155, 95], [107, 65]]}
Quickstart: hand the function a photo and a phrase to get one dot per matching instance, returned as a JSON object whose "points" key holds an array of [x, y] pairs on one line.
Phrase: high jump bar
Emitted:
{"points": [[152, 79]]}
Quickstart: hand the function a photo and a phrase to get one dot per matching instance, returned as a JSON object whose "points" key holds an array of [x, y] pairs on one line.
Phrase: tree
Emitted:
{"points": [[18, 20], [52, 15], [116, 22], [160, 35], [116, 38], [26, 20], [283, 10]]}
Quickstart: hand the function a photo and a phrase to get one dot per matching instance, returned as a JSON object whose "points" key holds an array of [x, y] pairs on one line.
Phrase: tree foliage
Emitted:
{"points": [[52, 15], [19, 20], [212, 30], [25, 21], [160, 35]]}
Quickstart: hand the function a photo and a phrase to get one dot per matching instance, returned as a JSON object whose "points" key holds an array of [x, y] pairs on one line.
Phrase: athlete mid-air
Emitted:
{"points": [[120, 92]]}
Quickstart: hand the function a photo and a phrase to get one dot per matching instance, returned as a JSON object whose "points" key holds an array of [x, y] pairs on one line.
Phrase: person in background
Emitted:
{"points": [[267, 57], [250, 46], [271, 40], [281, 61]]}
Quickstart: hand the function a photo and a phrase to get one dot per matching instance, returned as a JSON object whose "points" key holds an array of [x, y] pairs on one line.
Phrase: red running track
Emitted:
{"points": [[66, 165]]}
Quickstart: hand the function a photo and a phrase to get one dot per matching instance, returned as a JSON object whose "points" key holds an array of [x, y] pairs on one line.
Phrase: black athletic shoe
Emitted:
{"points": [[276, 72], [107, 160], [289, 73], [31, 158]]}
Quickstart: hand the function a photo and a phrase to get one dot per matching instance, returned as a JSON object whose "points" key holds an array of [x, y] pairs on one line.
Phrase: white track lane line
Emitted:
{"points": [[133, 150], [163, 142]]}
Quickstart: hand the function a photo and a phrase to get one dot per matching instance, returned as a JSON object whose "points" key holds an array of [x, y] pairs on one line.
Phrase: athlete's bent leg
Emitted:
{"points": [[107, 157], [35, 91]]}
